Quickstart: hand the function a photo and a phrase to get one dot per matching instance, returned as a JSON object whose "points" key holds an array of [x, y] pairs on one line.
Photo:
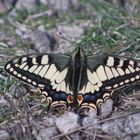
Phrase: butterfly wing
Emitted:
{"points": [[103, 75], [49, 72]]}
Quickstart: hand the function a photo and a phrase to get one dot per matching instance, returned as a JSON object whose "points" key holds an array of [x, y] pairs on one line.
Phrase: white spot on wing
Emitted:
{"points": [[99, 84], [23, 65], [126, 81], [96, 88], [32, 68], [101, 73], [43, 70], [54, 86], [41, 85], [26, 68], [137, 69], [95, 77], [51, 71], [19, 75], [137, 76], [92, 89], [90, 77], [120, 71], [29, 80], [116, 74], [34, 83], [108, 88], [131, 69], [38, 70], [110, 61], [54, 76], [58, 87], [61, 75], [109, 73], [24, 78], [120, 63], [53, 83], [16, 65], [88, 87], [11, 69], [127, 71], [82, 90], [132, 79], [34, 61], [63, 86], [131, 63], [14, 72], [44, 60], [8, 66], [115, 86], [121, 83], [24, 59]]}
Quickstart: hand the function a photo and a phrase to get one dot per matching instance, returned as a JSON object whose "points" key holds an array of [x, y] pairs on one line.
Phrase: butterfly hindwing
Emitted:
{"points": [[104, 74], [49, 72]]}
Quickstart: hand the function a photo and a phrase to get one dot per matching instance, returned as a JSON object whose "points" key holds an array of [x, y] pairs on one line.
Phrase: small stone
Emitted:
{"points": [[91, 120], [47, 133], [70, 33], [3, 101], [76, 136], [4, 135], [23, 31], [73, 31], [43, 41], [112, 127], [49, 121], [137, 137], [132, 124], [106, 108], [123, 127], [67, 122]]}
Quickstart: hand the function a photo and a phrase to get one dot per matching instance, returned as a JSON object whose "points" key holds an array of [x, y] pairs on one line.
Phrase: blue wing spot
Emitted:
{"points": [[90, 98], [60, 96], [56, 96]]}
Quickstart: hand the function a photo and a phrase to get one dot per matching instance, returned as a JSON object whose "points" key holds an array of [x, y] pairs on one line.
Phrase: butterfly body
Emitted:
{"points": [[78, 81]]}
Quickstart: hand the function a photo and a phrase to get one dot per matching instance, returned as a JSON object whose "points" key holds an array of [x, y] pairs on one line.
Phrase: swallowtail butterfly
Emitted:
{"points": [[75, 81]]}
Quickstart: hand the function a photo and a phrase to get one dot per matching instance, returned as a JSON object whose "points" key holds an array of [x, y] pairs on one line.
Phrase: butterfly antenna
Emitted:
{"points": [[65, 38], [72, 42]]}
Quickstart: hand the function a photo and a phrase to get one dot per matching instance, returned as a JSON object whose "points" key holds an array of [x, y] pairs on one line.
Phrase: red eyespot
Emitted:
{"points": [[70, 99], [80, 99]]}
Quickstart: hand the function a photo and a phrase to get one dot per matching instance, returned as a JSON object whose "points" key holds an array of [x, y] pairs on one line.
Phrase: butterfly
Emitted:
{"points": [[81, 81]]}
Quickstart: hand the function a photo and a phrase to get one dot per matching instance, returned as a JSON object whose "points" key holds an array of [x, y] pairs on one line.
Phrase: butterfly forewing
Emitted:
{"points": [[49, 72], [104, 74]]}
